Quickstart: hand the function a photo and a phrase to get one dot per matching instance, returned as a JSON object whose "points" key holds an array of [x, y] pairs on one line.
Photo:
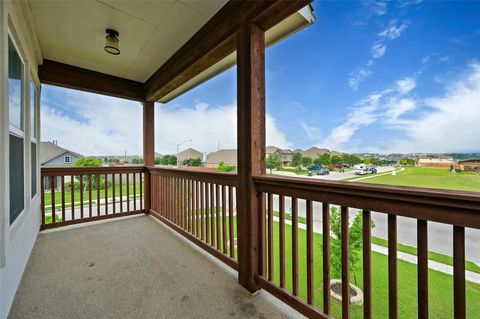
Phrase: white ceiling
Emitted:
{"points": [[73, 32]]}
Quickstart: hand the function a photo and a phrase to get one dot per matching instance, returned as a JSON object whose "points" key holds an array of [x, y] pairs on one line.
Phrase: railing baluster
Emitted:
{"points": [[98, 194], [345, 263], [128, 192], [282, 239], [81, 196], [142, 177], [203, 211], [192, 200], [52, 191], [134, 191], [120, 186], [217, 214], [207, 213], [212, 214], [392, 267], [326, 256], [230, 221], [224, 219], [367, 264], [72, 195], [295, 246], [114, 208], [310, 279], [422, 273], [106, 194], [262, 235], [459, 300], [89, 195], [198, 209], [270, 237], [193, 186], [42, 191], [63, 197]]}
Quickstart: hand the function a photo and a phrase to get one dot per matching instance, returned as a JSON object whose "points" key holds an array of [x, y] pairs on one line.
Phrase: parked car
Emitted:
{"points": [[323, 171], [314, 168]]}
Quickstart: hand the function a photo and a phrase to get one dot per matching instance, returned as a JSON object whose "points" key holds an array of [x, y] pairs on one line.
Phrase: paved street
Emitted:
{"points": [[334, 175]]}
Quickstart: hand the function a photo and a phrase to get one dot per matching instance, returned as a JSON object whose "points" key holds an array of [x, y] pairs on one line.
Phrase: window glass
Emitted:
{"points": [[15, 96], [66, 159], [33, 110], [17, 191]]}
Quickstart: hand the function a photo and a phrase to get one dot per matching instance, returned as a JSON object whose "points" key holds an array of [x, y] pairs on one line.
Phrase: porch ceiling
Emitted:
{"points": [[73, 32]]}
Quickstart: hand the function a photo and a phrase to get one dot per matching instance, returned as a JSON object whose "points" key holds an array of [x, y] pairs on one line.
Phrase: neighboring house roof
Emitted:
{"points": [[228, 156], [271, 149], [49, 151], [470, 161], [435, 159], [189, 153], [314, 152]]}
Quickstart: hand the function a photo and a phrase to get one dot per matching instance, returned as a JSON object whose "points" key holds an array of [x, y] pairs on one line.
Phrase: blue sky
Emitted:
{"points": [[366, 77]]}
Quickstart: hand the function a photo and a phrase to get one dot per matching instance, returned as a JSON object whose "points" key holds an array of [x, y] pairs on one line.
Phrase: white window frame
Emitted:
{"points": [[69, 159], [34, 132], [19, 133]]}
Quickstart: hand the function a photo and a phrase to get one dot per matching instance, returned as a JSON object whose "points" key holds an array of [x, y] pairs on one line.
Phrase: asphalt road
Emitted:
{"points": [[335, 175]]}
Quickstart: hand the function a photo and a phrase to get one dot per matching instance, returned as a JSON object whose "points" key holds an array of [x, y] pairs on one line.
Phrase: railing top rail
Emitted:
{"points": [[228, 179], [446, 206], [57, 171]]}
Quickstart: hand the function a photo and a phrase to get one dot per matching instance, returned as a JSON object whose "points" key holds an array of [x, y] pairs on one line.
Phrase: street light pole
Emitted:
{"points": [[178, 145]]}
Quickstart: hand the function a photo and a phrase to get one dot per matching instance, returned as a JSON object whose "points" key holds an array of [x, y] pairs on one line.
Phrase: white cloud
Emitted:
{"points": [[450, 123], [393, 32], [100, 125], [397, 107], [406, 85], [453, 122], [358, 76], [362, 115], [378, 50], [311, 131]]}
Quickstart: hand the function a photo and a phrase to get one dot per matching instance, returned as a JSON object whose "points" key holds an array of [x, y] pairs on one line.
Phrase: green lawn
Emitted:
{"points": [[440, 284], [429, 177], [68, 194], [294, 170]]}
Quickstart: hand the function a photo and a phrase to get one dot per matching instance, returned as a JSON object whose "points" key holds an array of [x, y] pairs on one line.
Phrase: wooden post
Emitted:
{"points": [[148, 148], [251, 148]]}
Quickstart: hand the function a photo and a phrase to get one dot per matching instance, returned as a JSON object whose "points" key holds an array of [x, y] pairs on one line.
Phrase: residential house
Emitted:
{"points": [[270, 150], [285, 156], [314, 152], [472, 164], [227, 156], [52, 155], [189, 153], [435, 161]]}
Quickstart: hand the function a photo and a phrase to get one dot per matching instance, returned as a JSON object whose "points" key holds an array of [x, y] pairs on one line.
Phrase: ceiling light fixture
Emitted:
{"points": [[111, 43]]}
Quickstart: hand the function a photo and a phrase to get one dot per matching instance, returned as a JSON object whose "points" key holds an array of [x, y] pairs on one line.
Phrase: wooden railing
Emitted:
{"points": [[460, 209], [84, 194], [199, 205]]}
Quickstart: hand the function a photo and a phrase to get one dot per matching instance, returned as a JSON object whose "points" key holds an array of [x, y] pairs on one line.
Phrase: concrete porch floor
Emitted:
{"points": [[132, 268]]}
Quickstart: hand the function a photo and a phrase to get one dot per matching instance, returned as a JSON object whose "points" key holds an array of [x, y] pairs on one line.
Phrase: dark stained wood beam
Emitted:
{"points": [[215, 40], [72, 77], [148, 149], [251, 151]]}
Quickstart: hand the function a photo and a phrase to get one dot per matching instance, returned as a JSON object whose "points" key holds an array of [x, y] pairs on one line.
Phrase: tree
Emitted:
{"points": [[306, 161], [296, 158], [158, 160], [355, 242], [325, 159], [137, 161], [88, 162], [192, 162], [407, 161], [273, 162], [225, 168], [168, 160], [367, 160], [336, 159]]}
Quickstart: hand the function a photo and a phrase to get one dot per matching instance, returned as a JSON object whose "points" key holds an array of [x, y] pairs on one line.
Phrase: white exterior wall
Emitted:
{"points": [[17, 240]]}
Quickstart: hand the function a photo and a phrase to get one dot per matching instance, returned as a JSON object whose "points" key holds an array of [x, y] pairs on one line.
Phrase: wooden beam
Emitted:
{"points": [[72, 77], [215, 40], [251, 149], [148, 148]]}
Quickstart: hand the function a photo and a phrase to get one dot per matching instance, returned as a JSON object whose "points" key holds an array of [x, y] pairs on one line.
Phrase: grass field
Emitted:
{"points": [[429, 177], [440, 284]]}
